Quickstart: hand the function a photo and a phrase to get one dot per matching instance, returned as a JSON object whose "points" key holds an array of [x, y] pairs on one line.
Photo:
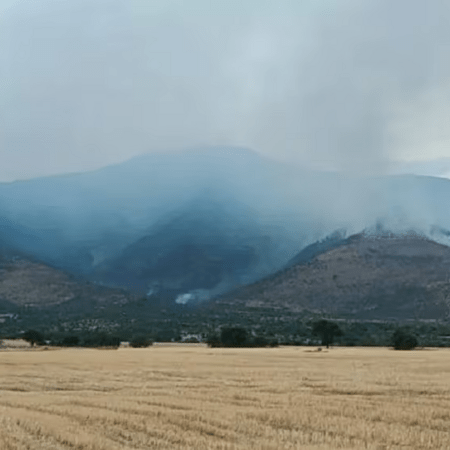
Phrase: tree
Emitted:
{"points": [[213, 340], [402, 340], [33, 337], [101, 340], [327, 331], [70, 341], [140, 342], [260, 341], [234, 337]]}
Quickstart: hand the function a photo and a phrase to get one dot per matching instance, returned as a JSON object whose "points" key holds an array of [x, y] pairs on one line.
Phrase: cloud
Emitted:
{"points": [[341, 104], [331, 84]]}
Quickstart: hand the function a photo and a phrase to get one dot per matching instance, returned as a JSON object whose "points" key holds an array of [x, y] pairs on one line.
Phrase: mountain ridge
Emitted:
{"points": [[27, 282], [212, 219], [366, 276]]}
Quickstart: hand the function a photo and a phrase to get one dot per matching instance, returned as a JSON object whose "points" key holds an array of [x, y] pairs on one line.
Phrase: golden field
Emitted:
{"points": [[193, 397]]}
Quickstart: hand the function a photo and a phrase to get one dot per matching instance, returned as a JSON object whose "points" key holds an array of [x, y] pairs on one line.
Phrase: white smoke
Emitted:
{"points": [[346, 85]]}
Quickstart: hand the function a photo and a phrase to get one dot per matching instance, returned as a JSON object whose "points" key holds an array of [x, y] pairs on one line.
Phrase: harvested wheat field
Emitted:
{"points": [[193, 397]]}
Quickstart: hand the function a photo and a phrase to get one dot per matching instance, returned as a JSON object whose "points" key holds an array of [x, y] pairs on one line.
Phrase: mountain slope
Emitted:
{"points": [[244, 216], [208, 246], [28, 282], [76, 222], [382, 276]]}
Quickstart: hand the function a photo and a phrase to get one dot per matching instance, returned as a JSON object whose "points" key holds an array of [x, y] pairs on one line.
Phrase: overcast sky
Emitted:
{"points": [[334, 84]]}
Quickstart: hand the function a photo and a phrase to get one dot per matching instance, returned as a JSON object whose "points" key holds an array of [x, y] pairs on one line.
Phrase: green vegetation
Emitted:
{"points": [[63, 325], [234, 337], [403, 340], [33, 337], [140, 342], [70, 341], [327, 331], [238, 337]]}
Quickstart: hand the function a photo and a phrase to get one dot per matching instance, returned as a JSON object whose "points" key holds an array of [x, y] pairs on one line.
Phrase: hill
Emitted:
{"points": [[204, 249], [231, 214], [364, 277], [27, 282], [84, 223], [196, 224]]}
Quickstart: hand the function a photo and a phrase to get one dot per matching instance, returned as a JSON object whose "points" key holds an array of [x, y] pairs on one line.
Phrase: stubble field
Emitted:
{"points": [[193, 397]]}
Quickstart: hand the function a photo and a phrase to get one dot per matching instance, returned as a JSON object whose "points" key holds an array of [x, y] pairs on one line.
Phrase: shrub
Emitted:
{"points": [[70, 341], [327, 331], [140, 342], [260, 341], [238, 337], [234, 337], [101, 340], [213, 340], [402, 340], [33, 337]]}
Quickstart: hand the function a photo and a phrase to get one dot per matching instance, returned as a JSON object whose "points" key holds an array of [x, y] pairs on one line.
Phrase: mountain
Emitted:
{"points": [[332, 241], [369, 275], [203, 221], [76, 222], [27, 282], [437, 167], [202, 250]]}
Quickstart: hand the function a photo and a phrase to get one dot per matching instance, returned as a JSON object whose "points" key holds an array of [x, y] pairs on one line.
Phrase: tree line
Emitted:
{"points": [[325, 333]]}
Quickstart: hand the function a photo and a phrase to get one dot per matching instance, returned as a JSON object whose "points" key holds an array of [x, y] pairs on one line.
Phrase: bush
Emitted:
{"points": [[327, 331], [167, 335], [213, 340], [140, 342], [70, 341], [238, 337], [260, 341], [234, 337], [33, 337], [402, 340], [101, 340]]}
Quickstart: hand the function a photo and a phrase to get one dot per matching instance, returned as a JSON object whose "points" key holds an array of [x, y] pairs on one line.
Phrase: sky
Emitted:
{"points": [[337, 85]]}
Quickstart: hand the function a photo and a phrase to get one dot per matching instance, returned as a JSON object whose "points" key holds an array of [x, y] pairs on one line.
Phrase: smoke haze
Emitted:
{"points": [[336, 85]]}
